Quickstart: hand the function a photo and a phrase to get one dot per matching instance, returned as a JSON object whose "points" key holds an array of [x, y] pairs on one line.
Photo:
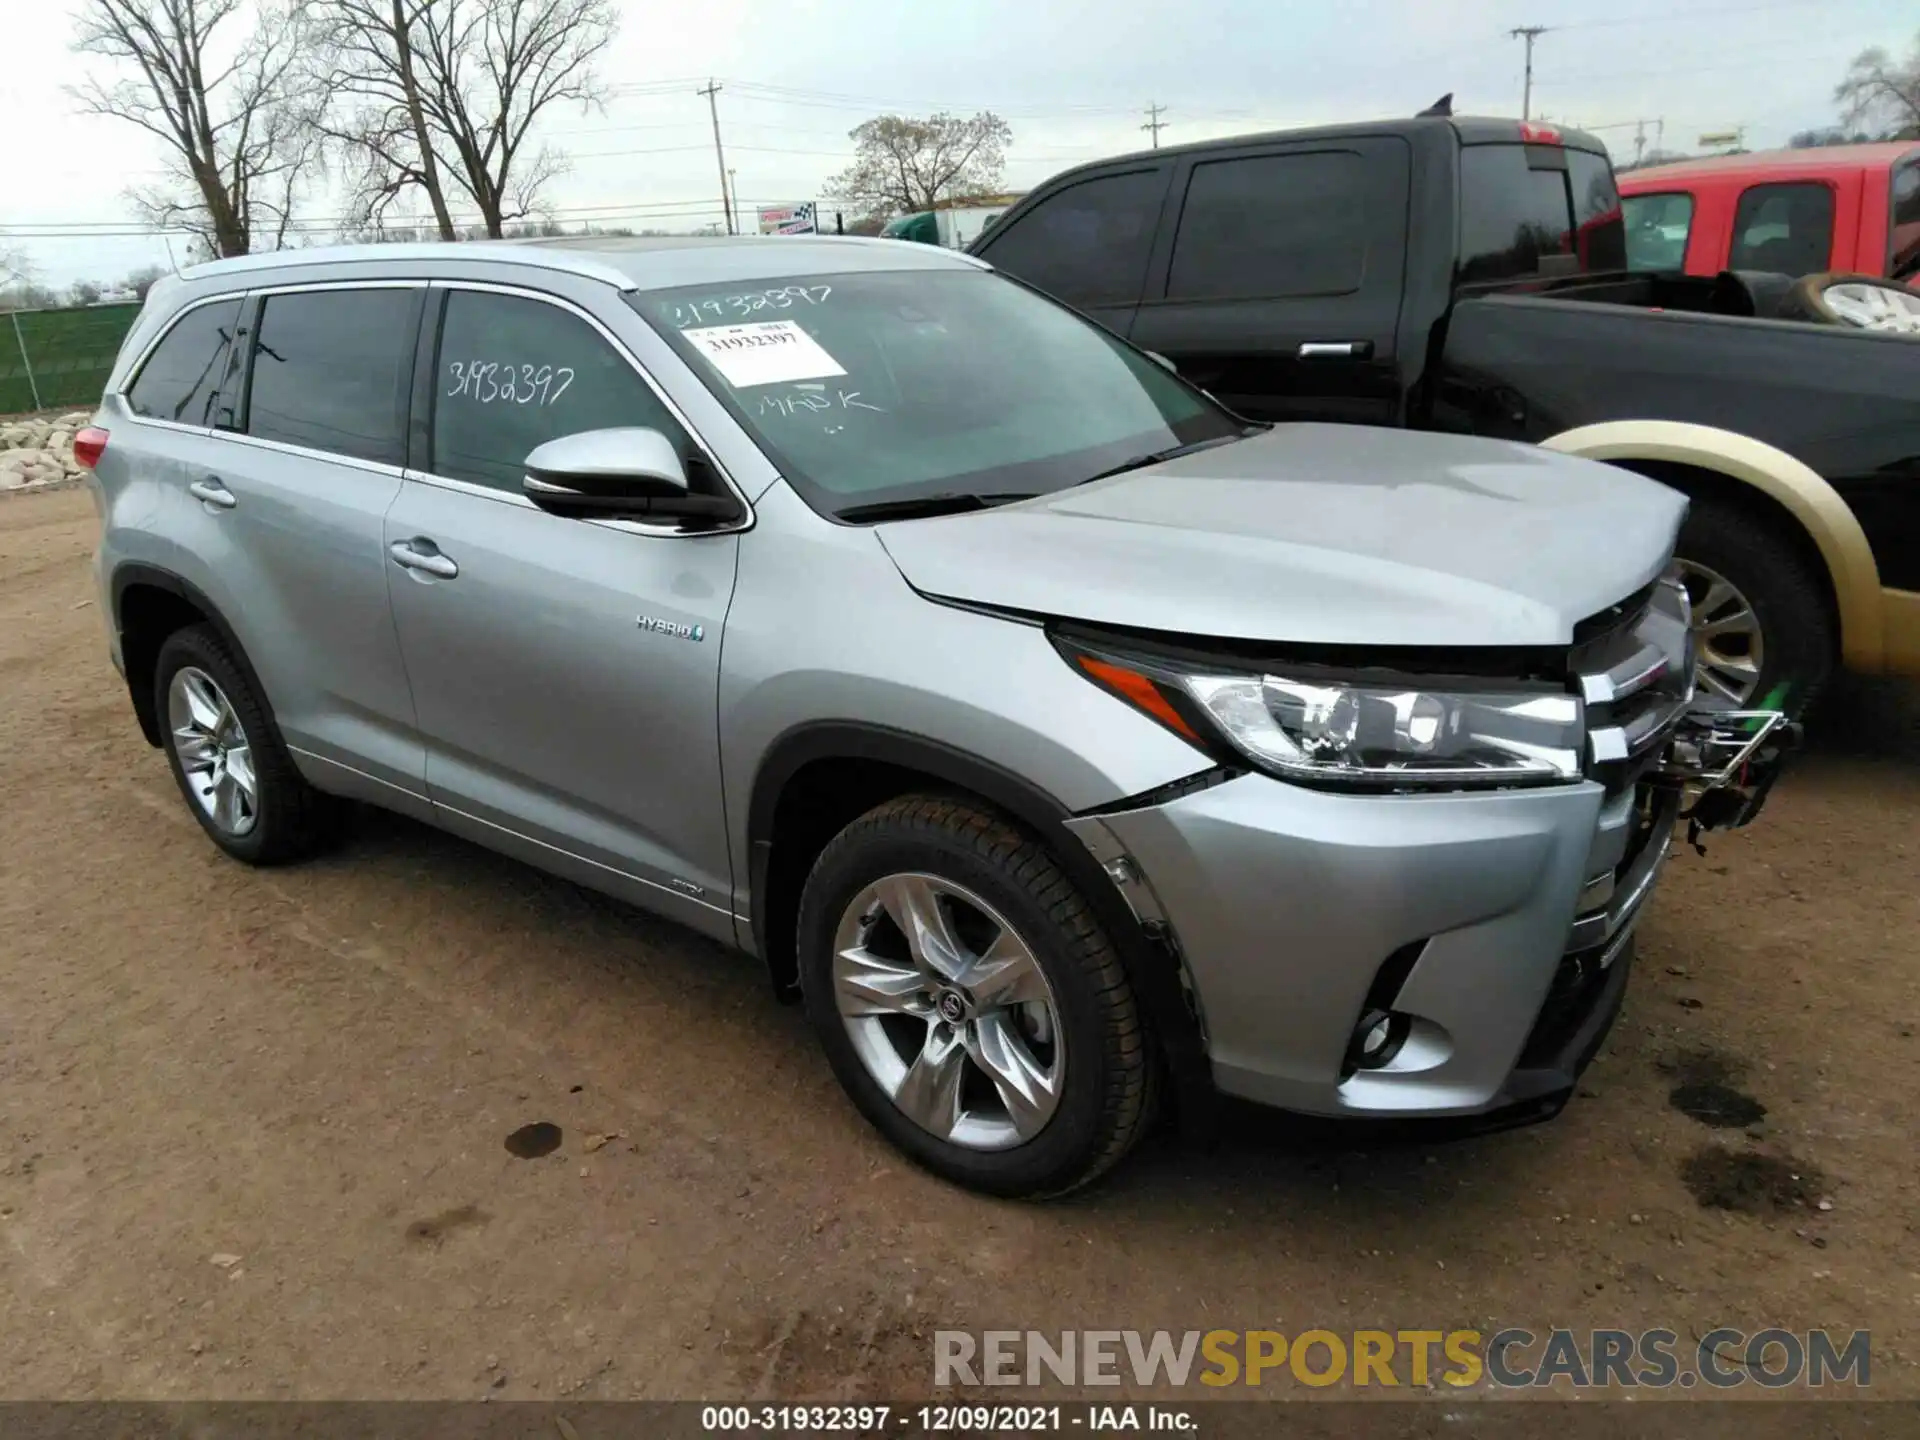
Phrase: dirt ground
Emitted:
{"points": [[253, 1124]]}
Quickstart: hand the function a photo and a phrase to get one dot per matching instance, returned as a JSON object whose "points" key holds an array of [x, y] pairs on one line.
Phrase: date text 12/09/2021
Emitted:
{"points": [[942, 1419]]}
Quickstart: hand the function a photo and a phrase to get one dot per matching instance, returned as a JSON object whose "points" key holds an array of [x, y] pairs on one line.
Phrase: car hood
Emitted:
{"points": [[1317, 534]]}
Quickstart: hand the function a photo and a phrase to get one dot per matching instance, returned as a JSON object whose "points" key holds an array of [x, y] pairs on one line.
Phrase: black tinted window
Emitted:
{"points": [[181, 379], [1785, 228], [1600, 230], [1087, 244], [1511, 214], [1903, 256], [331, 370], [515, 373], [1272, 225]]}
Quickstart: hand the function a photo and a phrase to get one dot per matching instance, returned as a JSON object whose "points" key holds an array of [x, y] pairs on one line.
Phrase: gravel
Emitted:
{"points": [[37, 450]]}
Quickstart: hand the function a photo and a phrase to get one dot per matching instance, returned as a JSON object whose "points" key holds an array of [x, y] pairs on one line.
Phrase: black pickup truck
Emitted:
{"points": [[1462, 274]]}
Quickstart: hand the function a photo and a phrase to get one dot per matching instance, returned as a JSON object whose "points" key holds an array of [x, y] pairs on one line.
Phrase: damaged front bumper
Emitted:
{"points": [[1413, 956]]}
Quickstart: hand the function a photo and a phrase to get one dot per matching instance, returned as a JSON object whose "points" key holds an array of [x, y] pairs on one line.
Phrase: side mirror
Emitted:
{"points": [[631, 473]]}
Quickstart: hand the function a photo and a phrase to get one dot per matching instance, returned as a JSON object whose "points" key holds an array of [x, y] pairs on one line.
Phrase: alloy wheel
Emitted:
{"points": [[1875, 307], [214, 752], [949, 1011], [1729, 648]]}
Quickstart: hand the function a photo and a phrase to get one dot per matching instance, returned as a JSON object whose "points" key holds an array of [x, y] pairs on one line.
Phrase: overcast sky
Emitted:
{"points": [[1072, 77]]}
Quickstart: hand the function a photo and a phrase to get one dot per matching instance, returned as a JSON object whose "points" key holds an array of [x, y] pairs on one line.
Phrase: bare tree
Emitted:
{"points": [[235, 122], [908, 165], [378, 118], [140, 281], [1881, 95], [440, 96]]}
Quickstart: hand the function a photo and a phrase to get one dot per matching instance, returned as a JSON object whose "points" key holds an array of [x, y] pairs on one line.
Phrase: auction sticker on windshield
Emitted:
{"points": [[770, 353]]}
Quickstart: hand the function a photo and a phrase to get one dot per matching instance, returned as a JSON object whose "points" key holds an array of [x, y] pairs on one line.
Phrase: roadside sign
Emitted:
{"points": [[1719, 138], [788, 219]]}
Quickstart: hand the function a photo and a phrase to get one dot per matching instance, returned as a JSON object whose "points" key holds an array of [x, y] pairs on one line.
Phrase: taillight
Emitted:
{"points": [[89, 445], [1536, 134]]}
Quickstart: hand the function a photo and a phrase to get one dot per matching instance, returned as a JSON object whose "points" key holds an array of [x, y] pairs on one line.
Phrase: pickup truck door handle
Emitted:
{"points": [[1335, 349], [211, 490], [410, 555]]}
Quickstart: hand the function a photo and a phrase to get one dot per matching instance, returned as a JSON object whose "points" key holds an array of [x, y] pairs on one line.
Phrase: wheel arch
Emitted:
{"points": [[1813, 506], [149, 604], [862, 765]]}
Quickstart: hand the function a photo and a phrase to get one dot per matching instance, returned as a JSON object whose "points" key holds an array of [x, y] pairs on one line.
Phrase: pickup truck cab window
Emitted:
{"points": [[514, 372], [1785, 228], [1086, 244], [1657, 230], [1523, 205], [876, 386], [1903, 247], [331, 371], [1272, 226]]}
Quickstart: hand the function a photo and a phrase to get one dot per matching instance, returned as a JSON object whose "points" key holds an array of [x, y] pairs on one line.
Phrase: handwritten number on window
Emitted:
{"points": [[706, 312], [488, 381]]}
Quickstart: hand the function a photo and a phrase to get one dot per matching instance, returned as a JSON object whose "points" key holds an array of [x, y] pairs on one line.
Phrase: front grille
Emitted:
{"points": [[1636, 677]]}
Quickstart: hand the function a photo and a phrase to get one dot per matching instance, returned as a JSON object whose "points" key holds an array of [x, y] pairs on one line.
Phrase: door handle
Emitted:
{"points": [[1334, 349], [213, 492], [432, 562]]}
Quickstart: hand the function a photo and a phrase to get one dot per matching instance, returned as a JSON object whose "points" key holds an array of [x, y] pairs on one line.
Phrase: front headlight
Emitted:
{"points": [[1373, 732]]}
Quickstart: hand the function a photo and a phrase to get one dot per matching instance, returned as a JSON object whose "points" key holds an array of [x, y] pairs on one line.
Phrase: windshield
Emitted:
{"points": [[877, 386], [1657, 228]]}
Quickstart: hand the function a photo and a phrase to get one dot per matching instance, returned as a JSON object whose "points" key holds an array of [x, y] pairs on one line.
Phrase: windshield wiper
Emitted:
{"points": [[915, 507], [1155, 457]]}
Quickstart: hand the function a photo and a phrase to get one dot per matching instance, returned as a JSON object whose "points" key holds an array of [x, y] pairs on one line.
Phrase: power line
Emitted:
{"points": [[712, 91], [1529, 33], [1155, 123]]}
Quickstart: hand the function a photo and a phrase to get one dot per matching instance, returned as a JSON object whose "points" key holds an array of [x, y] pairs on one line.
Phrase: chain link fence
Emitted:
{"points": [[59, 357]]}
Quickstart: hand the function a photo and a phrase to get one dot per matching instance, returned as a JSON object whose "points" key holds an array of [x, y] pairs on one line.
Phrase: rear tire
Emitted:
{"points": [[228, 759], [995, 891], [1725, 547]]}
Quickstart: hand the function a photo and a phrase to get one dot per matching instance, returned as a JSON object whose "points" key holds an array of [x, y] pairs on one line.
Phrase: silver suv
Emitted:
{"points": [[1061, 738]]}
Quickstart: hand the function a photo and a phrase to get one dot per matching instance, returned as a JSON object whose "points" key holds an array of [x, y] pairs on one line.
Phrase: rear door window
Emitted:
{"points": [[332, 369], [1785, 228], [181, 379], [1903, 254], [515, 372], [1087, 244], [1272, 226], [1657, 230]]}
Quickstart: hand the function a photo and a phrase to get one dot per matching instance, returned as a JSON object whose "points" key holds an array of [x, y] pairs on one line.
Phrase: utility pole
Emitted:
{"points": [[713, 106], [1155, 123], [1529, 33], [1639, 140]]}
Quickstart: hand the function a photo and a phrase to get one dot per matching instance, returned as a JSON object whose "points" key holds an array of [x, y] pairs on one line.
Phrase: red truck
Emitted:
{"points": [[1842, 209]]}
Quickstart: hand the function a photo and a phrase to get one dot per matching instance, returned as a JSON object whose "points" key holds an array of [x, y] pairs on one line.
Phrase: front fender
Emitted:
{"points": [[1796, 486]]}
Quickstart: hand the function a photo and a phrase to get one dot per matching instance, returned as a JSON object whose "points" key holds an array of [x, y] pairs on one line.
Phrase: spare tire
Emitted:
{"points": [[1866, 302]]}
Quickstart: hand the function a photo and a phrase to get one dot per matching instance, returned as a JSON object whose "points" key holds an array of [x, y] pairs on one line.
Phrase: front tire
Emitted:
{"points": [[1763, 633], [228, 759], [969, 1002]]}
